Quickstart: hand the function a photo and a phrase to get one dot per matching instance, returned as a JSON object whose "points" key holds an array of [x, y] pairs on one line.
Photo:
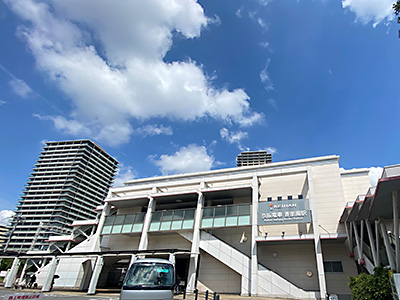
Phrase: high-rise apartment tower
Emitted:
{"points": [[69, 180], [253, 158]]}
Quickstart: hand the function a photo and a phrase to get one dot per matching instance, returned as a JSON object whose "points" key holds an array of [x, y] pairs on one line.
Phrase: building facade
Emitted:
{"points": [[253, 158], [267, 230], [69, 180]]}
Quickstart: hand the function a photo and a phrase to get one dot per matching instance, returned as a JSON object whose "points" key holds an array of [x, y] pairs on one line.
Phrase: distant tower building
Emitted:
{"points": [[69, 180], [253, 158]]}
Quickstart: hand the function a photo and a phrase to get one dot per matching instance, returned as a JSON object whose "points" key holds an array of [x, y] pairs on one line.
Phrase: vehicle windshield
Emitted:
{"points": [[150, 275]]}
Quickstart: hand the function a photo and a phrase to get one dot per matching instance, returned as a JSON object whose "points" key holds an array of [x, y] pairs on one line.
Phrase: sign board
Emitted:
{"points": [[24, 296], [283, 212]]}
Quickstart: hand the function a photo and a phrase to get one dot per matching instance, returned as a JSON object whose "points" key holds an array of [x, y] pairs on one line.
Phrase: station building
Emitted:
{"points": [[279, 229]]}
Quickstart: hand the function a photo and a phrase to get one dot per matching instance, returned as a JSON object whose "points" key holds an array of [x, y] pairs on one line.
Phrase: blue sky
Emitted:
{"points": [[180, 86]]}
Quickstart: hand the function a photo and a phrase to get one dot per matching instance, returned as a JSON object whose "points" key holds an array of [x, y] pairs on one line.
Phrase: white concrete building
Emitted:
{"points": [[266, 230]]}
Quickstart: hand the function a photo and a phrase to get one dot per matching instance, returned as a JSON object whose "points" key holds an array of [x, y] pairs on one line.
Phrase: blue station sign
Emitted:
{"points": [[284, 212]]}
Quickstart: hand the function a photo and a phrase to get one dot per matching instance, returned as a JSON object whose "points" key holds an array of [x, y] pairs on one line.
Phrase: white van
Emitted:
{"points": [[149, 279]]}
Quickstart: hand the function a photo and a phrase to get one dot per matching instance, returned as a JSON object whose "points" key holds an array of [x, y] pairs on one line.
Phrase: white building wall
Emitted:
{"points": [[292, 262], [354, 184], [218, 277], [337, 283], [329, 196], [168, 240]]}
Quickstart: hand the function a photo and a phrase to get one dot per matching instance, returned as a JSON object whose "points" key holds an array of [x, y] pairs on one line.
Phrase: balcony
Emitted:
{"points": [[172, 220], [226, 216], [132, 223]]}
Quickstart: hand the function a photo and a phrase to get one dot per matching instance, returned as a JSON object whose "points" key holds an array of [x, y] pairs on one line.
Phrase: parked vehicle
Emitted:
{"points": [[149, 279]]}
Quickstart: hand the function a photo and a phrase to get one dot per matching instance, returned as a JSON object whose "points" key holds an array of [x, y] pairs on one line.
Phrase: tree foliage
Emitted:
{"points": [[396, 7], [371, 286]]}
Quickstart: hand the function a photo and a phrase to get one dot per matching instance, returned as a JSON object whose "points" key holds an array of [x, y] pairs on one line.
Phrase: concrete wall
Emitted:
{"points": [[217, 277], [168, 240], [354, 184], [292, 262], [329, 196], [232, 237], [337, 283], [120, 242]]}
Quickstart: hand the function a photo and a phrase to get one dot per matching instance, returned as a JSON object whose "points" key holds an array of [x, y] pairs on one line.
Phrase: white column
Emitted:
{"points": [[21, 277], [372, 243], [388, 247], [317, 239], [396, 229], [360, 254], [349, 236], [96, 274], [144, 239], [377, 236], [254, 234], [104, 213], [12, 273], [195, 250], [50, 275]]}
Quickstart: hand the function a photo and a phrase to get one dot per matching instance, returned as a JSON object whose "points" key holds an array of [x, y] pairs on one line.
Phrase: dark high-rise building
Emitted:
{"points": [[69, 180], [253, 158]]}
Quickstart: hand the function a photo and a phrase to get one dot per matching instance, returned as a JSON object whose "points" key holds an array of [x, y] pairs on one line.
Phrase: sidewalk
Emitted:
{"points": [[114, 294]]}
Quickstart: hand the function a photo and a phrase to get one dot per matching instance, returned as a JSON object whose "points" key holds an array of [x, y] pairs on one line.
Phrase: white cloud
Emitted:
{"points": [[264, 2], [2, 102], [154, 130], [20, 88], [124, 174], [234, 137], [375, 11], [123, 76], [262, 23], [271, 150], [374, 174], [239, 12], [264, 45], [264, 76], [272, 102], [188, 159], [5, 216]]}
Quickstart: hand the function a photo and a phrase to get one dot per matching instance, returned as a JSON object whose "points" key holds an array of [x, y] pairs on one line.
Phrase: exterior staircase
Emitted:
{"points": [[268, 282]]}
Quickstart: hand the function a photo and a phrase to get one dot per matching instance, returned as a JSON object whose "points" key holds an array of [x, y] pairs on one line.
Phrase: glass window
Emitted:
{"points": [[333, 267], [178, 215], [189, 214], [156, 216], [220, 211], [219, 221], [129, 219], [231, 210], [119, 219], [289, 197], [300, 196], [167, 216], [279, 198], [139, 218], [244, 210], [269, 199], [208, 212], [109, 220]]}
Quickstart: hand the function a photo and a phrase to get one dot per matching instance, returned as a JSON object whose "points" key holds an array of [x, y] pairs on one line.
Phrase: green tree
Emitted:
{"points": [[371, 286], [396, 7]]}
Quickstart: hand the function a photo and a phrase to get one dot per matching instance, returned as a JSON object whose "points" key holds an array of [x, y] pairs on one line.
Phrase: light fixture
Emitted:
{"points": [[266, 234], [283, 233], [300, 233]]}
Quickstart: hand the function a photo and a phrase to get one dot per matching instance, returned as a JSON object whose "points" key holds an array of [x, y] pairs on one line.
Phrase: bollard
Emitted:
{"points": [[218, 297], [196, 293], [184, 293], [207, 295]]}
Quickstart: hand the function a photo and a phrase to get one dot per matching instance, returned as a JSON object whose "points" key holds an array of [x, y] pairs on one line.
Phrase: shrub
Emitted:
{"points": [[371, 286]]}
